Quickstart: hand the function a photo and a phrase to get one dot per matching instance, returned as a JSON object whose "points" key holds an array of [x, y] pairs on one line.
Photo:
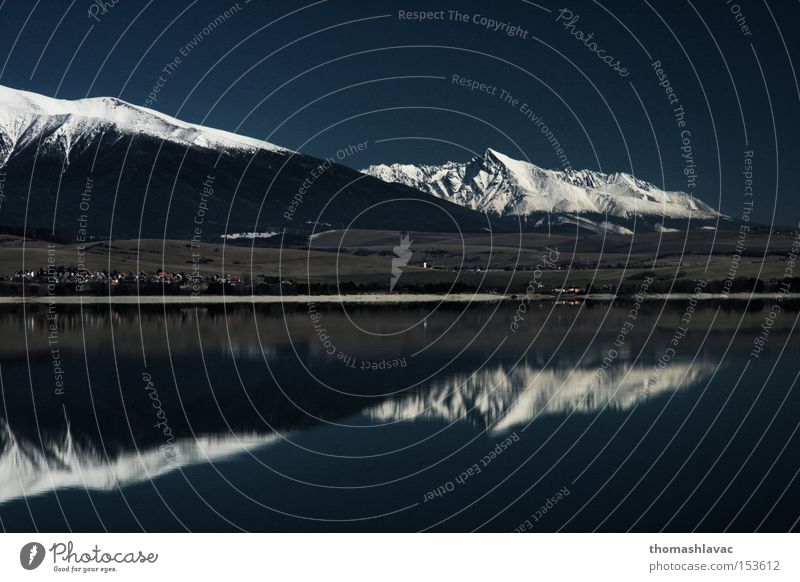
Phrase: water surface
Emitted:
{"points": [[398, 418]]}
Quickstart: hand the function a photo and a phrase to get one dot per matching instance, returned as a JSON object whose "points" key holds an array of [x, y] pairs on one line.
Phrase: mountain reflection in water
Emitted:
{"points": [[499, 399], [257, 396]]}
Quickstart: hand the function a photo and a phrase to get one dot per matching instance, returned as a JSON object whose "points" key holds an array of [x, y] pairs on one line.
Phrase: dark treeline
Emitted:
{"points": [[275, 287]]}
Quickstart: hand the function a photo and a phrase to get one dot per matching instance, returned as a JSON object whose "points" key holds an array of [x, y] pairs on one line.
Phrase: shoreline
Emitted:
{"points": [[369, 298], [383, 298]]}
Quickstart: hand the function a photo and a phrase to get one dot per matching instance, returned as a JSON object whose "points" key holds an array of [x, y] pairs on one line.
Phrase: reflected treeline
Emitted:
{"points": [[243, 324]]}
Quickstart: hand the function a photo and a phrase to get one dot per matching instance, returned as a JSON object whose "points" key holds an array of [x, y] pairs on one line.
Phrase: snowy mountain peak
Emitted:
{"points": [[494, 156], [499, 184], [500, 159], [29, 118]]}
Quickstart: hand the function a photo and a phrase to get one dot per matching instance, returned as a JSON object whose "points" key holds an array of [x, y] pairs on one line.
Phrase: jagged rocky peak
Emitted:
{"points": [[502, 185]]}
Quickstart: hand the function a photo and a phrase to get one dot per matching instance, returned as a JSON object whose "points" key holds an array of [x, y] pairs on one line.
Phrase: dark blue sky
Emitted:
{"points": [[319, 76]]}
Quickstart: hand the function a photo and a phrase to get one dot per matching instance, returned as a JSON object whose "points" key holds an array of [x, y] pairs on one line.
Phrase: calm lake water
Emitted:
{"points": [[399, 418]]}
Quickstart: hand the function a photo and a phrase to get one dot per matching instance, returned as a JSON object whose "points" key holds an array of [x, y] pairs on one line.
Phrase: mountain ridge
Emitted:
{"points": [[148, 173], [60, 120], [498, 184]]}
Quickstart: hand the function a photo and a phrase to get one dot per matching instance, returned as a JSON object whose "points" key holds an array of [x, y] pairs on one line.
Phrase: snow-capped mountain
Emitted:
{"points": [[31, 119], [498, 184], [123, 171]]}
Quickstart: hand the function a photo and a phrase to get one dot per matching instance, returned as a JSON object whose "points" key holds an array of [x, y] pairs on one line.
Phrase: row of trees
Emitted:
{"points": [[684, 285], [270, 286]]}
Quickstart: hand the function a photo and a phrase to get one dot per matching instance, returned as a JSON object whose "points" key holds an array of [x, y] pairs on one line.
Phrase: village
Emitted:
{"points": [[69, 280], [65, 280]]}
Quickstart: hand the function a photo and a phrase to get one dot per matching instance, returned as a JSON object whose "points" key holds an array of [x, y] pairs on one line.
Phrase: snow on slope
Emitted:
{"points": [[25, 117], [502, 398], [501, 185], [28, 468]]}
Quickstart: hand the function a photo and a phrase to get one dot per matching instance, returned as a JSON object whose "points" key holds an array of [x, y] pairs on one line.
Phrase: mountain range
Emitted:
{"points": [[70, 453], [499, 185], [102, 168]]}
